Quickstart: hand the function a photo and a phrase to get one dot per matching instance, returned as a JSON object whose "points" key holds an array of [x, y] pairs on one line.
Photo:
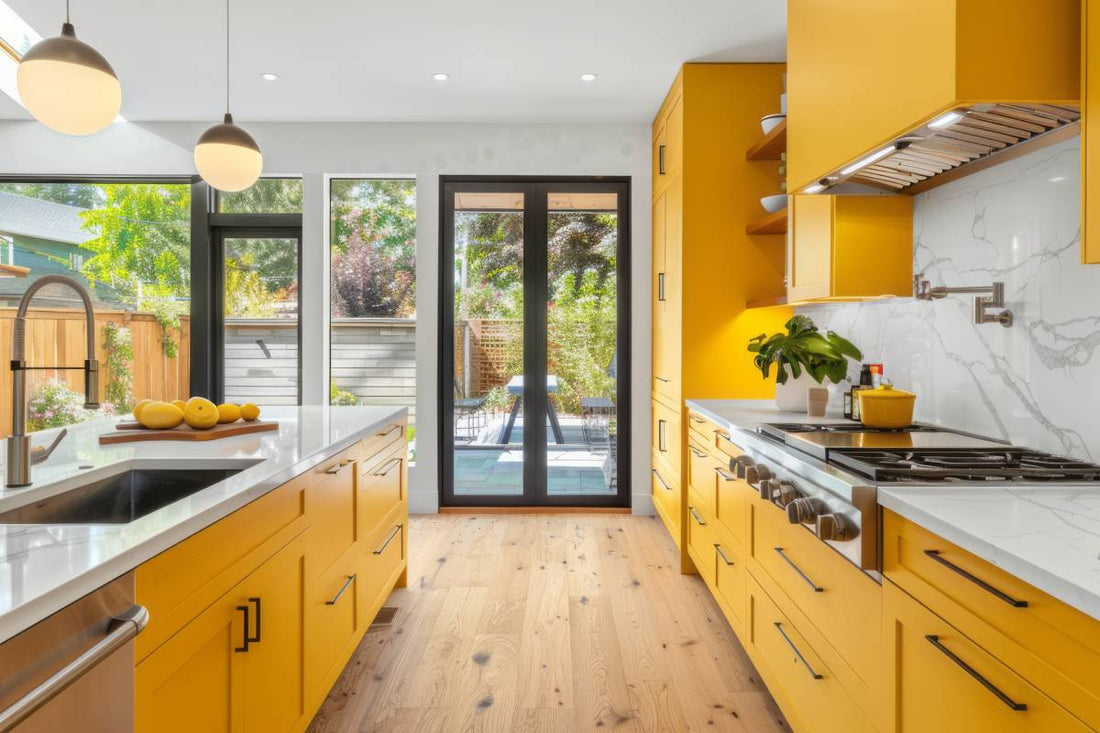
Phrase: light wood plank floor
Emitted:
{"points": [[548, 623]]}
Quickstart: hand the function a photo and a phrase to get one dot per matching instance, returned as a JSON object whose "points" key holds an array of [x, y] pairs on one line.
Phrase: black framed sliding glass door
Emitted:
{"points": [[535, 296]]}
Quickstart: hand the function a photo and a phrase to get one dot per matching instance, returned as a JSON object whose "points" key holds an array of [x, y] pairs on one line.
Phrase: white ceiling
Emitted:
{"points": [[509, 60]]}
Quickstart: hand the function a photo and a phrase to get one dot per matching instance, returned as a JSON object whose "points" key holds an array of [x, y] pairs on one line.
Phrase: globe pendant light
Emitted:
{"points": [[67, 85], [226, 155]]}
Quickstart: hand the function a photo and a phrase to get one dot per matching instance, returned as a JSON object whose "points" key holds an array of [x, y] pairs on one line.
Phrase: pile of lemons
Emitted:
{"points": [[198, 412]]}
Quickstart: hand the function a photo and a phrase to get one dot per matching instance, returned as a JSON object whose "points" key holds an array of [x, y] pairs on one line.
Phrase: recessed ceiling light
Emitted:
{"points": [[268, 76], [589, 76], [440, 76]]}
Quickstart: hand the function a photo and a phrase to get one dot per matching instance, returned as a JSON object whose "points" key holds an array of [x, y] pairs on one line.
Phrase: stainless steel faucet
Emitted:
{"points": [[19, 458], [985, 297]]}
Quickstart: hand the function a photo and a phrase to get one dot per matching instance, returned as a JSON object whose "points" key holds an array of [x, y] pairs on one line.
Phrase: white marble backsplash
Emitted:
{"points": [[1037, 383]]}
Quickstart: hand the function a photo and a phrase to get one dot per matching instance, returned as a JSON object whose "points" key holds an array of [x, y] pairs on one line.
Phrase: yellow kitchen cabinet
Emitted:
{"points": [[237, 666], [1090, 131], [863, 73], [849, 247], [667, 500], [944, 682], [705, 267], [1055, 647]]}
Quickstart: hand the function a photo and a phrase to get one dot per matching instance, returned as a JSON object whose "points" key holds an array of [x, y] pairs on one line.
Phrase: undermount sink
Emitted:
{"points": [[120, 498]]}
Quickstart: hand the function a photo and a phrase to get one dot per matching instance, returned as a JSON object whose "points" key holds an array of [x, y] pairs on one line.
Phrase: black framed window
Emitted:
{"points": [[128, 241]]}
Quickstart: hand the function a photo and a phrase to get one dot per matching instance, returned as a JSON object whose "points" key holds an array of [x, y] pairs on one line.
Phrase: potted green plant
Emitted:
{"points": [[802, 357]]}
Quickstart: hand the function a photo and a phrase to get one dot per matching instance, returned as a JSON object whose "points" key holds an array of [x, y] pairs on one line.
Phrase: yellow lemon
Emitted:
{"points": [[228, 413], [180, 404], [201, 413], [139, 407], [249, 411], [161, 415]]}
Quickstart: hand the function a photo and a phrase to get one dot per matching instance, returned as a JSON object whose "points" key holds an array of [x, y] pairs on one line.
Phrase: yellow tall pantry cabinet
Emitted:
{"points": [[705, 266]]}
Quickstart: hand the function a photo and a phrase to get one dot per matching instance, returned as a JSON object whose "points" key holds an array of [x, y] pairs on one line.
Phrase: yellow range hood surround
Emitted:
{"points": [[865, 79]]}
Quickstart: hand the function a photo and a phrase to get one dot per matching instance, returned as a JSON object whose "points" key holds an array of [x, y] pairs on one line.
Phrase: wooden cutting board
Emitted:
{"points": [[129, 432]]}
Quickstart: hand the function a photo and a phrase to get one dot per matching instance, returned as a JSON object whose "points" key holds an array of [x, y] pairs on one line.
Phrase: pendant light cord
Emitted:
{"points": [[226, 56], [67, 11]]}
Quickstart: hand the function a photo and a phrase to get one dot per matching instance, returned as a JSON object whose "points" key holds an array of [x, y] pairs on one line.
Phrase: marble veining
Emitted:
{"points": [[44, 568], [1036, 384]]}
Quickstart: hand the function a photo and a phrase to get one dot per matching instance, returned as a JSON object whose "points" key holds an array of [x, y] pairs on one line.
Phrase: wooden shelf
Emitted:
{"points": [[14, 271], [771, 145], [771, 224]]}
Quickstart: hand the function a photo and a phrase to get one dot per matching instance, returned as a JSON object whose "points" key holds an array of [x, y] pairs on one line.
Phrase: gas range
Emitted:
{"points": [[826, 476]]}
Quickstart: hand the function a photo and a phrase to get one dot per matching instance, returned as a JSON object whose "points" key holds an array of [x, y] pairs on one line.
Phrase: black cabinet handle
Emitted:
{"points": [[661, 287], [339, 467], [244, 646], [779, 628], [661, 440], [256, 638], [695, 515], [696, 452], [935, 555], [662, 380], [816, 588], [722, 554], [344, 587], [385, 433], [661, 479], [934, 640], [723, 474], [661, 159], [394, 533]]}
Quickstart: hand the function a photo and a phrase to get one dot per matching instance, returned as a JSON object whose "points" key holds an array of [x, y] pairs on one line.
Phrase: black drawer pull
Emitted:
{"points": [[696, 420], [695, 515], [661, 287], [660, 479], [661, 160], [817, 588], [722, 554], [388, 467], [662, 380], [725, 475], [935, 555], [386, 433], [696, 452], [934, 640], [344, 587], [339, 467], [244, 646], [779, 628], [394, 533], [256, 638]]}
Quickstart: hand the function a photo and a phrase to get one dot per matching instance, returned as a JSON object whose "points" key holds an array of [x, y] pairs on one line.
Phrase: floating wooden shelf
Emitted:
{"points": [[14, 271], [771, 224], [771, 145]]}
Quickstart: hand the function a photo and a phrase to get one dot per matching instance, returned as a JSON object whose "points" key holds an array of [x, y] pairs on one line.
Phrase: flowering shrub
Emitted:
{"points": [[53, 404]]}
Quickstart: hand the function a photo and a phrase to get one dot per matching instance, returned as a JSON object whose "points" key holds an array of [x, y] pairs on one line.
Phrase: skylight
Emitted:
{"points": [[16, 37]]}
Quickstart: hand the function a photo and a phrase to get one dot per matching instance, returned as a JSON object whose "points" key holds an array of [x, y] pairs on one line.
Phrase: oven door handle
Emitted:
{"points": [[120, 630]]}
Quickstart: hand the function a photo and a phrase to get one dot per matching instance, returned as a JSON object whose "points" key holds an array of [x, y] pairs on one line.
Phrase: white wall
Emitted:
{"points": [[426, 151]]}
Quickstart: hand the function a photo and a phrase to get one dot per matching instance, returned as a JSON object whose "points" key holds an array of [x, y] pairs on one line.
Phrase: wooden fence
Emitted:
{"points": [[481, 362], [57, 337]]}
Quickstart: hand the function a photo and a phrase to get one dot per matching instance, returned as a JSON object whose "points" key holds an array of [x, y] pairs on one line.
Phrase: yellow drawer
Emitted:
{"points": [[700, 534], [330, 506], [666, 497], [666, 361], [729, 579], [381, 486], [807, 691], [383, 563], [331, 622], [371, 448], [705, 431], [734, 497], [702, 475], [1054, 646], [842, 604], [666, 434], [176, 585], [946, 683]]}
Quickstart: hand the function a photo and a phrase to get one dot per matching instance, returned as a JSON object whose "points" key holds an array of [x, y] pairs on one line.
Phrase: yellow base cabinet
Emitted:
{"points": [[238, 665], [254, 617], [946, 683], [849, 247]]}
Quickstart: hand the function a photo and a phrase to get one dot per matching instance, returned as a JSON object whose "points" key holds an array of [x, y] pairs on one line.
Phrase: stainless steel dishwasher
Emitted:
{"points": [[75, 669]]}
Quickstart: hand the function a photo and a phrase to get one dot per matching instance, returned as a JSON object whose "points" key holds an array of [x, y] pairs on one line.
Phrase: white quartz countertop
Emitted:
{"points": [[43, 568], [1047, 535]]}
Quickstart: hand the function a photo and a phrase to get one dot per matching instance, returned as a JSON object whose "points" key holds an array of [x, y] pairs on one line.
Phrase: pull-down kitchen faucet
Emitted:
{"points": [[19, 458]]}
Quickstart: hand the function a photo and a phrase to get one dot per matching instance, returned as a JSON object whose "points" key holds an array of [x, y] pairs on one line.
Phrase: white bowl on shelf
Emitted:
{"points": [[774, 203], [768, 122]]}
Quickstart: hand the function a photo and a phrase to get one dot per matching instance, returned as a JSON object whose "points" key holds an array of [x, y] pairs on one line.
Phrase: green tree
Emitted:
{"points": [[84, 195], [266, 196]]}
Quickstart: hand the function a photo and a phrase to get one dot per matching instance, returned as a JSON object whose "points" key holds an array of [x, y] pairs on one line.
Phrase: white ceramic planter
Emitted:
{"points": [[791, 396]]}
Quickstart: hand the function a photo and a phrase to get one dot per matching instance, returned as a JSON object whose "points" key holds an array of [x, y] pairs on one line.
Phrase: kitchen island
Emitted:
{"points": [[43, 568]]}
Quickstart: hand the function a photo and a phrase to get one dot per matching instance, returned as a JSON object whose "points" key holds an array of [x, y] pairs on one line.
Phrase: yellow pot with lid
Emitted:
{"points": [[886, 407]]}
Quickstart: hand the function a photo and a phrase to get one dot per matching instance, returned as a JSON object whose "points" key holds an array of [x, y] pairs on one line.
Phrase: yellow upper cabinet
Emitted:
{"points": [[849, 247], [1090, 134], [862, 73]]}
